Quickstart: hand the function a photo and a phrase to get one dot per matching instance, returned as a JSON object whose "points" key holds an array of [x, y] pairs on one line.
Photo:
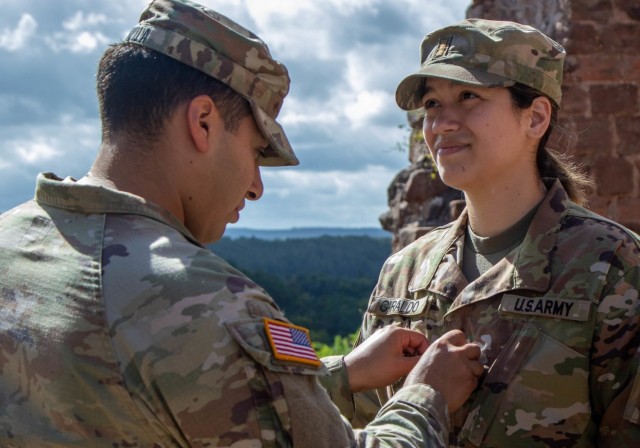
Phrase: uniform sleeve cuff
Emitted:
{"points": [[425, 397], [337, 385]]}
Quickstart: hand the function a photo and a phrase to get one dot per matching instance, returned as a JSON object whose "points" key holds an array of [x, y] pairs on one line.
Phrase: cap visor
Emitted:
{"points": [[411, 89], [279, 152]]}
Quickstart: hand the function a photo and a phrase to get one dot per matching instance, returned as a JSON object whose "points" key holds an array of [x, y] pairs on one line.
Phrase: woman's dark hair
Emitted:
{"points": [[552, 163], [139, 89]]}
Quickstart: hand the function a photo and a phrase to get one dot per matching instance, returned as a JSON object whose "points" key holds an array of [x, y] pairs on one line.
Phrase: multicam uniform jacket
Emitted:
{"points": [[558, 321], [117, 329]]}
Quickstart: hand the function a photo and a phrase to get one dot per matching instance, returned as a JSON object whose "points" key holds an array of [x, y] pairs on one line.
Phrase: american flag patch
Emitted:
{"points": [[290, 342]]}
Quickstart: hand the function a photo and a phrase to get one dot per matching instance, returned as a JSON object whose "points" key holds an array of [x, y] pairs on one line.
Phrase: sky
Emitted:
{"points": [[345, 58]]}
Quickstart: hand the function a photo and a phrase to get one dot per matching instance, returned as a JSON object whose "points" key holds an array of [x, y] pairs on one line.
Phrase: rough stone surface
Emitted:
{"points": [[628, 131], [600, 111], [613, 176]]}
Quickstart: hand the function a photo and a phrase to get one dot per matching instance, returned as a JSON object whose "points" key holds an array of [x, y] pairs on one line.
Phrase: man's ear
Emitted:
{"points": [[202, 118], [539, 117]]}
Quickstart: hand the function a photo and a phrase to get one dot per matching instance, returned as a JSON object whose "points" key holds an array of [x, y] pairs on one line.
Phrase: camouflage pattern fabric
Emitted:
{"points": [[212, 43], [488, 53], [558, 321], [117, 329]]}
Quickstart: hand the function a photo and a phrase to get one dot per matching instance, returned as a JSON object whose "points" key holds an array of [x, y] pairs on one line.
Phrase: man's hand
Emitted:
{"points": [[450, 365], [388, 355]]}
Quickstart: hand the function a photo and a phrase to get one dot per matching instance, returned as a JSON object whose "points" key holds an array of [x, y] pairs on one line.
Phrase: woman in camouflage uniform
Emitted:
{"points": [[548, 289]]}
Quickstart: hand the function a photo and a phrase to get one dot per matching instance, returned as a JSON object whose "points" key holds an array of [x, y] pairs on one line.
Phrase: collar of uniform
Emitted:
{"points": [[527, 267], [432, 261], [531, 265], [69, 195]]}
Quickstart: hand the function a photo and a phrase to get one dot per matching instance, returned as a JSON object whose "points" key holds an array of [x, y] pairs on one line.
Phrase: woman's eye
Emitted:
{"points": [[428, 104], [468, 95]]}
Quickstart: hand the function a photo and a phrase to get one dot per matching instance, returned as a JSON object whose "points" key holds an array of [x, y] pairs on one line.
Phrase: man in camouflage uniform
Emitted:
{"points": [[118, 328], [557, 317]]}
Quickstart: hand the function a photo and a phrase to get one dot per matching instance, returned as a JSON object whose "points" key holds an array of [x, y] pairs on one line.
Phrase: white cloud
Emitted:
{"points": [[80, 34], [70, 142], [353, 108], [82, 42], [348, 7], [367, 104], [298, 198], [300, 111], [81, 21], [37, 151], [294, 28], [85, 42], [261, 10], [16, 39]]}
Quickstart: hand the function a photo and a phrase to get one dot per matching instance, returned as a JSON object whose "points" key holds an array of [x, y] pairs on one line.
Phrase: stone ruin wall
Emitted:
{"points": [[600, 106]]}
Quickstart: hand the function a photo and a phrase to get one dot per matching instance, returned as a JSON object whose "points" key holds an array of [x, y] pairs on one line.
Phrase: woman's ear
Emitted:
{"points": [[202, 117], [539, 117]]}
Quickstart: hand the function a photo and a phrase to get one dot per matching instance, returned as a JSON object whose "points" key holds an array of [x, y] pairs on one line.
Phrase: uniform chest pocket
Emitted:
{"points": [[537, 387]]}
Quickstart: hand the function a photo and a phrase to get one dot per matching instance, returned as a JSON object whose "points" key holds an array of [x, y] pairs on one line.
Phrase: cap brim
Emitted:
{"points": [[412, 88], [279, 152]]}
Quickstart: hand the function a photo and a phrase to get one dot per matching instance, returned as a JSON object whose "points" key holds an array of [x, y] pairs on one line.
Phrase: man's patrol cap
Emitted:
{"points": [[486, 53], [212, 43]]}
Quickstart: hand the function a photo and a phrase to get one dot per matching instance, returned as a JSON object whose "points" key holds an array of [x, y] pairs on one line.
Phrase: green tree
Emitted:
{"points": [[341, 345], [321, 283]]}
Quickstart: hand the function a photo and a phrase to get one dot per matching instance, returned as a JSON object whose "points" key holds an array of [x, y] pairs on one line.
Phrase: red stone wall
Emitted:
{"points": [[602, 102], [600, 108]]}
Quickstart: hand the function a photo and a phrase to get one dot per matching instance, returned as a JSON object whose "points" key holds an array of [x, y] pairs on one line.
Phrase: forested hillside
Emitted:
{"points": [[321, 283]]}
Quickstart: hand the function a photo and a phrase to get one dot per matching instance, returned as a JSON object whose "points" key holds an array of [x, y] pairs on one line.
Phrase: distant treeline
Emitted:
{"points": [[321, 283]]}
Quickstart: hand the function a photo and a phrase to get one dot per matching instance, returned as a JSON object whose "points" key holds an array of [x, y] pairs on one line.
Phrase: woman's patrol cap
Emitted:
{"points": [[486, 53], [210, 42]]}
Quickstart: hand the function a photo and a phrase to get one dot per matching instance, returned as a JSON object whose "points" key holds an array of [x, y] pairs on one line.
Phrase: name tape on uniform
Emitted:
{"points": [[290, 343], [401, 307], [546, 306]]}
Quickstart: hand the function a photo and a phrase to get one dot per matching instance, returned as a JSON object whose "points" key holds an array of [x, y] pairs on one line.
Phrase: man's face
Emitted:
{"points": [[232, 175]]}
